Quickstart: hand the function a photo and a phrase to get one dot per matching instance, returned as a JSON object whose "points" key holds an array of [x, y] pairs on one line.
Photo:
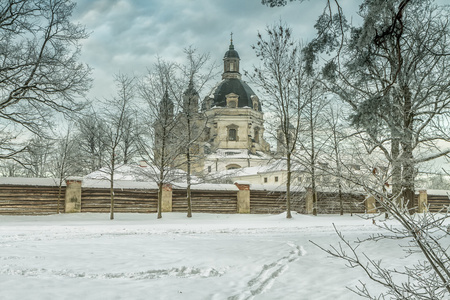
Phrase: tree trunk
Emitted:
{"points": [[407, 157], [188, 190], [339, 175], [396, 167], [111, 180], [58, 209], [288, 186], [188, 196], [341, 200], [313, 187], [313, 159], [408, 178], [160, 191], [162, 166], [188, 178]]}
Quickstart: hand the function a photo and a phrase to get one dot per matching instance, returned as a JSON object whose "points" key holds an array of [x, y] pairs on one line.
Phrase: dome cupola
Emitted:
{"points": [[231, 62]]}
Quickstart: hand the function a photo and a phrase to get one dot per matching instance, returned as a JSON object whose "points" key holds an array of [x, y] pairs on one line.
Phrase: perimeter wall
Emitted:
{"points": [[24, 196]]}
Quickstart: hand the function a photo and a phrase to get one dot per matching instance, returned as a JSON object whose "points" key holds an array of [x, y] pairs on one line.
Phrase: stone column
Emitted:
{"points": [[243, 197], [166, 201], [371, 205], [73, 195], [309, 199], [422, 203]]}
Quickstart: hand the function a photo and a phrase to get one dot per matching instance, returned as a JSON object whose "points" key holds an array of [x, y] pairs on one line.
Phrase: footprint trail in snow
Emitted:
{"points": [[269, 273]]}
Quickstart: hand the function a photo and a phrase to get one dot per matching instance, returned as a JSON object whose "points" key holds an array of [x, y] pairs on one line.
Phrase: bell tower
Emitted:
{"points": [[190, 100]]}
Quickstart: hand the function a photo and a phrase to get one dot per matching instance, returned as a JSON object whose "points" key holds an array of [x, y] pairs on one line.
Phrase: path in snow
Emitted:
{"points": [[269, 274]]}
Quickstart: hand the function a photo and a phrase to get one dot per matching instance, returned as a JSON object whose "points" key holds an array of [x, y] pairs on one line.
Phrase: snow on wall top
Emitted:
{"points": [[207, 187], [131, 184], [119, 184], [269, 187], [30, 181], [436, 192]]}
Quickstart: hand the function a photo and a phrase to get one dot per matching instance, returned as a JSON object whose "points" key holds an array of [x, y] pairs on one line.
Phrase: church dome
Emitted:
{"points": [[246, 96], [232, 92]]}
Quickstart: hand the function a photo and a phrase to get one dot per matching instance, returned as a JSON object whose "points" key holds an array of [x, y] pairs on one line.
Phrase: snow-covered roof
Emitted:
{"points": [[138, 173], [30, 181], [272, 167], [237, 154], [123, 172], [270, 187]]}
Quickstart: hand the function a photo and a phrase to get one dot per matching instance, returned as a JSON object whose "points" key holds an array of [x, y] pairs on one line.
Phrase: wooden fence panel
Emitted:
{"points": [[438, 203], [329, 203], [98, 200], [30, 200], [206, 201], [268, 202]]}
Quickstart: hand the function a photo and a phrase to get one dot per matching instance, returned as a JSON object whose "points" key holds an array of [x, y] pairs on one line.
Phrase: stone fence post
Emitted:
{"points": [[166, 201], [309, 206], [371, 207], [73, 195], [243, 197], [422, 203]]}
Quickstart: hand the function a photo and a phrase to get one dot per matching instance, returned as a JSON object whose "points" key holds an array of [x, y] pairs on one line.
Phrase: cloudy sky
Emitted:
{"points": [[128, 35]]}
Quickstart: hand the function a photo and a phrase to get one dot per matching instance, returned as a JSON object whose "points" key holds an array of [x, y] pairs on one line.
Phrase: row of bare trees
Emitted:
{"points": [[391, 73], [43, 85]]}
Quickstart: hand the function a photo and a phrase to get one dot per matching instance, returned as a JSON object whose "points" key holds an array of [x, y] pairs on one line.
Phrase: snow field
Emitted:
{"points": [[136, 256]]}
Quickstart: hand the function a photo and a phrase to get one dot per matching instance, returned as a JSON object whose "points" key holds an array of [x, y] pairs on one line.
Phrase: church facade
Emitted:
{"points": [[234, 134]]}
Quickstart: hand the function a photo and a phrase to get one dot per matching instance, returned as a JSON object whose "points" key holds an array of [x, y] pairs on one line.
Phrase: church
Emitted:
{"points": [[231, 122]]}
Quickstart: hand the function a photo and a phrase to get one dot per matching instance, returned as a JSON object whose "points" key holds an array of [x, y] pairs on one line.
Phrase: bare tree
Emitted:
{"points": [[92, 140], [131, 131], [116, 115], [281, 77], [339, 134], [392, 71], [37, 155], [195, 74], [64, 160], [313, 136], [161, 145], [10, 168], [39, 71]]}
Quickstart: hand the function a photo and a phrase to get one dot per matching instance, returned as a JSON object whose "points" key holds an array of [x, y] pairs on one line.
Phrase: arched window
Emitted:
{"points": [[233, 167]]}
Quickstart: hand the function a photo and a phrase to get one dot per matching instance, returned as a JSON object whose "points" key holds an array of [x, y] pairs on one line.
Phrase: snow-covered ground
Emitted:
{"points": [[136, 256]]}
